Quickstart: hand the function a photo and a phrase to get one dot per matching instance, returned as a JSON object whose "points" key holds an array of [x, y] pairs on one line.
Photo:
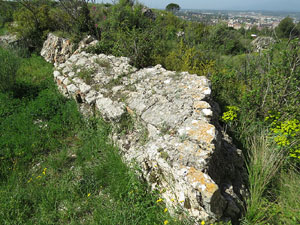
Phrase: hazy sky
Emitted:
{"points": [[277, 5]]}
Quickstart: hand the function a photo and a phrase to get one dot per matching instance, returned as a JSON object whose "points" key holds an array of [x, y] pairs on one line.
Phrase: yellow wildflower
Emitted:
{"points": [[166, 210], [202, 222], [44, 171], [159, 200], [89, 194], [166, 222], [172, 199]]}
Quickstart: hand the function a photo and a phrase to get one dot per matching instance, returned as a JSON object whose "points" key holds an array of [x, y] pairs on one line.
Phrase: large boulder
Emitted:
{"points": [[172, 131]]}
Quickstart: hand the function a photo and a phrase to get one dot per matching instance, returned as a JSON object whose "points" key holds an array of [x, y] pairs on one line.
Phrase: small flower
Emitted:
{"points": [[89, 194], [159, 200], [172, 199], [44, 171], [96, 25], [202, 222], [166, 222], [181, 201], [166, 210]]}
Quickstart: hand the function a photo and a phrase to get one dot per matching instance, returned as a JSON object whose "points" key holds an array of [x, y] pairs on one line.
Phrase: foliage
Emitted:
{"points": [[286, 134], [6, 12], [9, 64], [172, 7], [33, 23], [126, 32], [225, 39], [79, 13], [57, 167], [34, 116], [184, 58], [231, 114], [287, 28]]}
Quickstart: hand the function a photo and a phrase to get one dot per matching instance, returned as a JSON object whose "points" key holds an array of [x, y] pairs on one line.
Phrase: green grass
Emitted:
{"points": [[264, 165], [58, 167], [3, 30]]}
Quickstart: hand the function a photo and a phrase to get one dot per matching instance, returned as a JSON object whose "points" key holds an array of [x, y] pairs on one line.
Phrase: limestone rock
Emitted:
{"points": [[86, 42], [261, 43], [8, 40], [56, 49], [174, 137]]}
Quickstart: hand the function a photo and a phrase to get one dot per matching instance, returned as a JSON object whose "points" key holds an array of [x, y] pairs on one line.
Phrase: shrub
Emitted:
{"points": [[185, 58], [33, 23]]}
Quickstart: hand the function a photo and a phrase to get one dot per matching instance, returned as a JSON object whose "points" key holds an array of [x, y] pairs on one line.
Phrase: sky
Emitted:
{"points": [[274, 5]]}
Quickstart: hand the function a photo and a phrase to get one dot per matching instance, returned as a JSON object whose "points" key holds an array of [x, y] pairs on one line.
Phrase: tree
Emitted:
{"points": [[6, 11], [172, 7], [287, 28]]}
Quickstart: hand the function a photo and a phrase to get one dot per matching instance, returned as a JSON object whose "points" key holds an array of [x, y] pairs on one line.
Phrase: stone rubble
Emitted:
{"points": [[172, 130], [9, 40]]}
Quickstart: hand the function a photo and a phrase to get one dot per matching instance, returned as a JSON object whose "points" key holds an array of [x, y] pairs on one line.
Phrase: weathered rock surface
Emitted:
{"points": [[173, 132], [261, 43], [57, 49], [9, 40]]}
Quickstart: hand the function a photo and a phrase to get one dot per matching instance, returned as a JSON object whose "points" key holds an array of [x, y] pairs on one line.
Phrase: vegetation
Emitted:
{"points": [[57, 167], [85, 180], [172, 7]]}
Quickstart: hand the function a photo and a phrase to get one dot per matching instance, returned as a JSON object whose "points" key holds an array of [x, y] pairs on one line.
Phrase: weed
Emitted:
{"points": [[86, 75], [103, 63]]}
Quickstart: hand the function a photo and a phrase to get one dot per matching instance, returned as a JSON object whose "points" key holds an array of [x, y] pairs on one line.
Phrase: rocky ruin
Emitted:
{"points": [[9, 40], [164, 122], [261, 43]]}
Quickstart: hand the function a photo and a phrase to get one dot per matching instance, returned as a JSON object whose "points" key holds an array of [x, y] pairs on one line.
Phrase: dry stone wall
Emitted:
{"points": [[164, 122]]}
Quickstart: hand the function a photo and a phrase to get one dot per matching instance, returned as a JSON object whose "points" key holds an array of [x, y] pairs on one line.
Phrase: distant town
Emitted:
{"points": [[238, 19]]}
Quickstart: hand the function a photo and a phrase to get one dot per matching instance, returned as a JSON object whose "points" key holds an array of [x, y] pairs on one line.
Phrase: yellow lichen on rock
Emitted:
{"points": [[202, 131], [197, 176]]}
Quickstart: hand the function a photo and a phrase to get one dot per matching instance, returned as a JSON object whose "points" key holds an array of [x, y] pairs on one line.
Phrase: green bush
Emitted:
{"points": [[33, 24], [185, 58], [7, 9]]}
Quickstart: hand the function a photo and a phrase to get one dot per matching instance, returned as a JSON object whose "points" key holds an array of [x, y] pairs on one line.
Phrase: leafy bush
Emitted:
{"points": [[33, 23], [225, 39], [7, 9], [185, 58]]}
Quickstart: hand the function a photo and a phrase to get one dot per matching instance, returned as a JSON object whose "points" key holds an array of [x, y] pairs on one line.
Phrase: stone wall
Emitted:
{"points": [[166, 123]]}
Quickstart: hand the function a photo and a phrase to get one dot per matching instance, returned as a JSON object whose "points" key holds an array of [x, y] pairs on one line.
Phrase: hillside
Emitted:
{"points": [[59, 167]]}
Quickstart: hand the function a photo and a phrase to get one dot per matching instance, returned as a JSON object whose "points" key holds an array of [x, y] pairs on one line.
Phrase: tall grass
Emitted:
{"points": [[265, 161], [289, 200], [8, 67]]}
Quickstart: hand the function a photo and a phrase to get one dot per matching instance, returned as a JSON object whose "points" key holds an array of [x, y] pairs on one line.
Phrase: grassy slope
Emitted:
{"points": [[58, 168]]}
